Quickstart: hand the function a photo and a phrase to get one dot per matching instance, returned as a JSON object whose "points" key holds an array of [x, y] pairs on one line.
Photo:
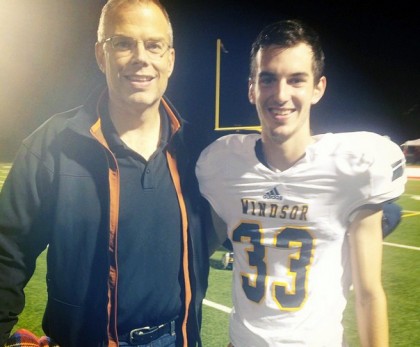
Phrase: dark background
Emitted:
{"points": [[47, 62]]}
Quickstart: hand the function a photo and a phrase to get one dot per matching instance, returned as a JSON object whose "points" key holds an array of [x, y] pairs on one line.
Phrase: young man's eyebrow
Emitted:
{"points": [[272, 74], [300, 74], [266, 74]]}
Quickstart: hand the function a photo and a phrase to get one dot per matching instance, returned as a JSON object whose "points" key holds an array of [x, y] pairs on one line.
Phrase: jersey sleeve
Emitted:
{"points": [[378, 168], [388, 176]]}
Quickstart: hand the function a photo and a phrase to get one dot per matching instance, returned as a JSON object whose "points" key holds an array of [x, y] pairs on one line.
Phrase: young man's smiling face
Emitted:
{"points": [[283, 90]]}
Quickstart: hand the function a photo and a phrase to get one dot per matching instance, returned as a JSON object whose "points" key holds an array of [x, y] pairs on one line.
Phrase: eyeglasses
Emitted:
{"points": [[124, 46]]}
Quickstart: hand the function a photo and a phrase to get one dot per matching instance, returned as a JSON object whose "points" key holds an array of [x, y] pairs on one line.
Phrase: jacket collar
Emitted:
{"points": [[87, 116]]}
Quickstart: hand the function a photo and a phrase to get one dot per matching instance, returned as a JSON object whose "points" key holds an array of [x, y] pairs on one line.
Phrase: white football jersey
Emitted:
{"points": [[288, 230]]}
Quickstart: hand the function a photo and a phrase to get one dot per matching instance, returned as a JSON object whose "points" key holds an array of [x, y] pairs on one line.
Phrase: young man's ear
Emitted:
{"points": [[319, 90], [251, 91]]}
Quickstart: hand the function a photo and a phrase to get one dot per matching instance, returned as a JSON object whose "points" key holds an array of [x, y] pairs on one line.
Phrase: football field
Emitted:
{"points": [[401, 277]]}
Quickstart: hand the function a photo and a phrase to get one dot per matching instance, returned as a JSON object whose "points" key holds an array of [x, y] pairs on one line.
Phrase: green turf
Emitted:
{"points": [[401, 277]]}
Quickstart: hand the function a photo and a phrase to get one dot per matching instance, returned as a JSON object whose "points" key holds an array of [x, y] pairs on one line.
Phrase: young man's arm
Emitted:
{"points": [[220, 233], [365, 235]]}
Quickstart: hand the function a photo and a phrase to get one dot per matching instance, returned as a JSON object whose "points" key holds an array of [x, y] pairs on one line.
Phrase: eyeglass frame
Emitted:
{"points": [[130, 51]]}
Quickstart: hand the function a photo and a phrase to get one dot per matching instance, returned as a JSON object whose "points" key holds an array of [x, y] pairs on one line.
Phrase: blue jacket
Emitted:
{"points": [[62, 192]]}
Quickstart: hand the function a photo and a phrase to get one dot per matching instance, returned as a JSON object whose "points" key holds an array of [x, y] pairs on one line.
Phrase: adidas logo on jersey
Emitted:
{"points": [[273, 194]]}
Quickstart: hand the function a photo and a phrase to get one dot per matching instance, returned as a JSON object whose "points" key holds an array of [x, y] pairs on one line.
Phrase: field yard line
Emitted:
{"points": [[401, 246], [410, 195], [217, 306]]}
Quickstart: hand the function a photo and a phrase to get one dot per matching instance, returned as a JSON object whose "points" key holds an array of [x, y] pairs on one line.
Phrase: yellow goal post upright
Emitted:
{"points": [[217, 127]]}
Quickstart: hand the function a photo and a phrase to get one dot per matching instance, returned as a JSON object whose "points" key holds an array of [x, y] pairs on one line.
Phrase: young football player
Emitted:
{"points": [[303, 212]]}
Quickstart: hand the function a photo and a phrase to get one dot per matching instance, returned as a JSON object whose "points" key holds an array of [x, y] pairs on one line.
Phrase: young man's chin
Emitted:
{"points": [[276, 134]]}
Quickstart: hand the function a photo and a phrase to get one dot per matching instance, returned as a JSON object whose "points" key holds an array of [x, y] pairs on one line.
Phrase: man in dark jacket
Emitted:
{"points": [[110, 189]]}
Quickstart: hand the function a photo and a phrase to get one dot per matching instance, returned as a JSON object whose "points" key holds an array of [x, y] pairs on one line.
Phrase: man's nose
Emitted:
{"points": [[282, 91], [139, 52]]}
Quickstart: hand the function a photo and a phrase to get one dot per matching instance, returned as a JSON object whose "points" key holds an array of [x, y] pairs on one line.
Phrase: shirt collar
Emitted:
{"points": [[111, 135]]}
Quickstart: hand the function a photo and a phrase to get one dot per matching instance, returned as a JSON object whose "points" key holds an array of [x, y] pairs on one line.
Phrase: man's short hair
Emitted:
{"points": [[287, 34], [112, 5]]}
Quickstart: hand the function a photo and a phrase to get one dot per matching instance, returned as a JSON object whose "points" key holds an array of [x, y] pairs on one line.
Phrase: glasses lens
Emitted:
{"points": [[127, 45], [155, 47], [123, 44]]}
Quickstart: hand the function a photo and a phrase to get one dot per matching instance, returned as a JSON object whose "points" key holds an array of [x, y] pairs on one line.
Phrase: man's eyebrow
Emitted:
{"points": [[272, 74], [300, 74], [151, 38], [156, 38], [266, 74]]}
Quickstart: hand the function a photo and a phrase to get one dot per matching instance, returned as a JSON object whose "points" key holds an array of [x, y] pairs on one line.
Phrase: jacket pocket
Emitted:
{"points": [[71, 325]]}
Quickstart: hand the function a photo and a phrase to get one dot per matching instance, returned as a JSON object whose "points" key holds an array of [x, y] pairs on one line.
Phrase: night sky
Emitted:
{"points": [[47, 62]]}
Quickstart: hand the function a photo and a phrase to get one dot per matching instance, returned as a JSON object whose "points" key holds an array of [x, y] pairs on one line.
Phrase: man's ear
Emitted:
{"points": [[319, 90], [171, 61], [251, 91], [100, 56]]}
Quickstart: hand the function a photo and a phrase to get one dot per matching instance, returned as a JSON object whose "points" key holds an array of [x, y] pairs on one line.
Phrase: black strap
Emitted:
{"points": [[143, 336]]}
